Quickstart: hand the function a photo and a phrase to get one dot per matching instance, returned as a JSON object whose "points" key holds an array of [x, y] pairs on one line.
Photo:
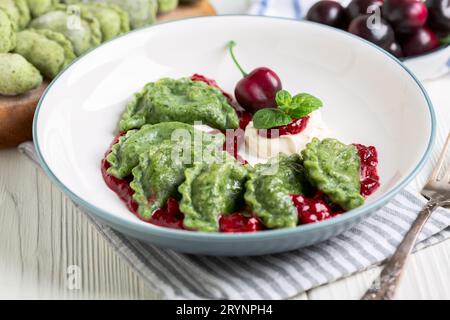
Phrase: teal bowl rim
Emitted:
{"points": [[150, 229]]}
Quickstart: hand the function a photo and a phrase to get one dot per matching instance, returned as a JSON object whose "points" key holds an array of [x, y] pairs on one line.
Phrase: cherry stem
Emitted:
{"points": [[231, 46]]}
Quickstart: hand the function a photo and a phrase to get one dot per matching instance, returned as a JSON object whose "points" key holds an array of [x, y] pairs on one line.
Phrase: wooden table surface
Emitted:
{"points": [[45, 241]]}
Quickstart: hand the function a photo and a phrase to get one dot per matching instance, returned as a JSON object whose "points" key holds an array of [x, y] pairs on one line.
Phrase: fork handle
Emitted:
{"points": [[385, 286]]}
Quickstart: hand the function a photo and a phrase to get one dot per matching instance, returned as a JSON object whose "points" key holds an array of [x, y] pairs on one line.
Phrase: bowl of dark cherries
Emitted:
{"points": [[417, 32]]}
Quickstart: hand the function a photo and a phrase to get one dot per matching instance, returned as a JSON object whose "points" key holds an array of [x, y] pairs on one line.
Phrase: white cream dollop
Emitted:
{"points": [[258, 146]]}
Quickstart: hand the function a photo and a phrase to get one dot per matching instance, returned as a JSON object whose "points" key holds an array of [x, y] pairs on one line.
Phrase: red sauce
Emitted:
{"points": [[236, 222], [168, 216], [370, 181], [315, 209], [295, 127]]}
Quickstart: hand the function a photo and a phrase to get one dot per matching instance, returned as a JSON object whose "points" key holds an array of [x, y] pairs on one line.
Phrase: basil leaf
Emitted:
{"points": [[283, 98], [302, 105], [270, 118]]}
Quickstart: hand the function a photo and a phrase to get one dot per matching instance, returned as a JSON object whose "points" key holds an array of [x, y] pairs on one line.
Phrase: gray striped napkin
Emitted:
{"points": [[180, 276]]}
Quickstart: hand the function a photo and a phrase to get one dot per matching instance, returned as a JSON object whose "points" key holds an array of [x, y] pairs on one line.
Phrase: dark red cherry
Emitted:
{"points": [[378, 32], [361, 7], [395, 49], [405, 16], [420, 41], [439, 15], [328, 12], [257, 89]]}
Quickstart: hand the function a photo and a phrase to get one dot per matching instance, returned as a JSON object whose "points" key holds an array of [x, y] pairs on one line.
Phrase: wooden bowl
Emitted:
{"points": [[16, 113]]}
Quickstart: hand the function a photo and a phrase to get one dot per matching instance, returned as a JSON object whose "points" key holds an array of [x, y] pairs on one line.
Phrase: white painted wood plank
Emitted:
{"points": [[42, 233]]}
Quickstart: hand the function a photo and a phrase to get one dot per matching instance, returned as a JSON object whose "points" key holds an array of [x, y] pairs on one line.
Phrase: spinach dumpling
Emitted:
{"points": [[11, 9], [334, 168], [158, 175], [39, 7], [17, 75], [165, 6], [180, 100], [76, 23], [7, 33], [269, 188], [124, 155], [141, 12], [210, 190], [47, 50], [113, 20], [18, 12]]}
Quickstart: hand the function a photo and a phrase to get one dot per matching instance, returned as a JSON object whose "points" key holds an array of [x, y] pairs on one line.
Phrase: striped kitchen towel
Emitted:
{"points": [[181, 276]]}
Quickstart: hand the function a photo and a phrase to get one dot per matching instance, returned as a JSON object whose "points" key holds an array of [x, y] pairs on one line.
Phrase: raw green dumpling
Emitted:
{"points": [[158, 175], [39, 7], [24, 13], [141, 12], [47, 50], [10, 8], [210, 190], [17, 75], [334, 168], [125, 154], [269, 188], [7, 33], [74, 22], [165, 6], [113, 20], [181, 100]]}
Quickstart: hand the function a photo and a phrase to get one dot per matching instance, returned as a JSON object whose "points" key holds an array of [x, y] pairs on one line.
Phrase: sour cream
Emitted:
{"points": [[260, 147]]}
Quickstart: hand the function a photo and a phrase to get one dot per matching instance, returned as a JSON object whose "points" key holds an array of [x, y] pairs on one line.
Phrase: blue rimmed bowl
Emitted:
{"points": [[431, 65], [369, 98]]}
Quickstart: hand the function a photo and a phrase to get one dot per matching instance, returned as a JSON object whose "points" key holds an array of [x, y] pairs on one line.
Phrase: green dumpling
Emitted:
{"points": [[167, 5], [39, 7], [75, 23], [24, 13], [7, 33], [113, 20], [158, 175], [210, 190], [269, 188], [141, 12], [334, 168], [124, 155], [11, 9], [17, 75], [47, 50], [180, 100]]}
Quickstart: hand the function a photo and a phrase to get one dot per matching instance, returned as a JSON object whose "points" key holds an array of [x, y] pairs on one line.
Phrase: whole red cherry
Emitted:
{"points": [[395, 49], [328, 12], [361, 7], [257, 89], [379, 32], [420, 41], [405, 16], [439, 12]]}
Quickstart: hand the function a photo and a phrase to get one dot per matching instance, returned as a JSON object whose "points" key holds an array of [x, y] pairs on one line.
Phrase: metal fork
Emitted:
{"points": [[437, 191]]}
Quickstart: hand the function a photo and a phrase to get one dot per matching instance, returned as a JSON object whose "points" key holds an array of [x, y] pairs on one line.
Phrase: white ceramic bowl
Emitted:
{"points": [[369, 98], [431, 65]]}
